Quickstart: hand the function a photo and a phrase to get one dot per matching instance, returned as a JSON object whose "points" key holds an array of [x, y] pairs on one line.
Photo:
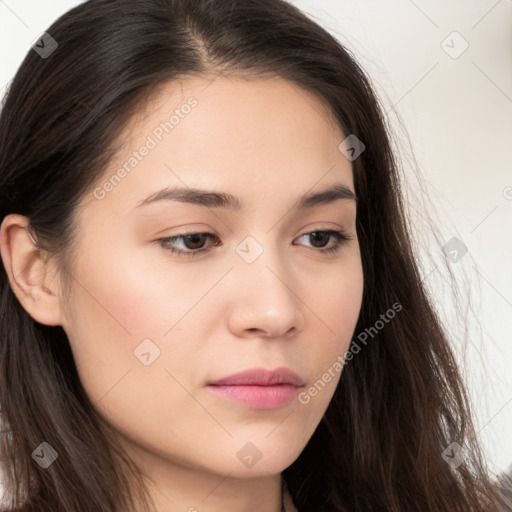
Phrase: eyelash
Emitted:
{"points": [[340, 236]]}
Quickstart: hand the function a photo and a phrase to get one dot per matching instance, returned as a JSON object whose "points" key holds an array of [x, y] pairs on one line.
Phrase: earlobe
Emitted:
{"points": [[28, 271]]}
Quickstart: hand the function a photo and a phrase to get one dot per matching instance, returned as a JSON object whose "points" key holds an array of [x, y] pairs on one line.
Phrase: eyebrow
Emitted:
{"points": [[224, 200]]}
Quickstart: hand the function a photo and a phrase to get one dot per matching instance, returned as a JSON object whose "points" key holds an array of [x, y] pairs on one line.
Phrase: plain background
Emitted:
{"points": [[453, 95]]}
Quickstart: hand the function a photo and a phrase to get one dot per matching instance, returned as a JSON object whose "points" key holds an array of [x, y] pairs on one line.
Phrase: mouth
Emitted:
{"points": [[258, 397], [259, 388]]}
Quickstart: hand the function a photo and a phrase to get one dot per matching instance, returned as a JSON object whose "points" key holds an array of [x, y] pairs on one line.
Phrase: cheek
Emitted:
{"points": [[335, 307], [128, 295], [337, 297], [119, 303], [113, 309]]}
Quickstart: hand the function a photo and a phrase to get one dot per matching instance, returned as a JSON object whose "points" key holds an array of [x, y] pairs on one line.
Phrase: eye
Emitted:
{"points": [[321, 235], [194, 242]]}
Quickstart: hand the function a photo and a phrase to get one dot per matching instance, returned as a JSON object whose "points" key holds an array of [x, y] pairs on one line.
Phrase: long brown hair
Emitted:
{"points": [[401, 401]]}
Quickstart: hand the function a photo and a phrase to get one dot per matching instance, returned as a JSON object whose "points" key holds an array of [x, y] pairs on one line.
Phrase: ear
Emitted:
{"points": [[30, 275]]}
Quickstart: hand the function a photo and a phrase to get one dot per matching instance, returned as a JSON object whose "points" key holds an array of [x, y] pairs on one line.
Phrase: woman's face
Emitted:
{"points": [[150, 328]]}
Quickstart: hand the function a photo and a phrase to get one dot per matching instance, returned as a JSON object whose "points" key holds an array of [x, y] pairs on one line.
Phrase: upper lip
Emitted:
{"points": [[260, 377]]}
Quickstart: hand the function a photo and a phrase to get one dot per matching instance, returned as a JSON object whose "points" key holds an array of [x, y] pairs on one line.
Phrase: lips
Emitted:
{"points": [[259, 388], [261, 377]]}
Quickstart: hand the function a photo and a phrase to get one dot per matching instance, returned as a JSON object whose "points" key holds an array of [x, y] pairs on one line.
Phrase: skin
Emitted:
{"points": [[266, 142]]}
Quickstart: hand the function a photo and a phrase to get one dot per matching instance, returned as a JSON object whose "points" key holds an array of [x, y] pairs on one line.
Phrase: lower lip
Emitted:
{"points": [[258, 397]]}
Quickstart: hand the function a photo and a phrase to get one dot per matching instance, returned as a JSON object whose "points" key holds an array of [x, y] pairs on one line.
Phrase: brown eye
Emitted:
{"points": [[320, 236], [193, 242]]}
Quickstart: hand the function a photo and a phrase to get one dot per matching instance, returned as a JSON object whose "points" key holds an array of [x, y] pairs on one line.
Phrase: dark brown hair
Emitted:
{"points": [[400, 402], [504, 486]]}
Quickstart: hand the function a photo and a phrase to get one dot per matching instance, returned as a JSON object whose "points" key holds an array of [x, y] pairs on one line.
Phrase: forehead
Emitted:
{"points": [[231, 133], [234, 108]]}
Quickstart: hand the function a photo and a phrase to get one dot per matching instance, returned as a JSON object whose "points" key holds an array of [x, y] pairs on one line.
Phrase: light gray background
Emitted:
{"points": [[458, 115]]}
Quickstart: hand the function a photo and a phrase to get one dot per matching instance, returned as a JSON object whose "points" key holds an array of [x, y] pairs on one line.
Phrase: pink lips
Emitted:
{"points": [[259, 388]]}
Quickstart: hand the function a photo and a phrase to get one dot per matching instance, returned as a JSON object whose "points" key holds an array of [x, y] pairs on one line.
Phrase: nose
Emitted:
{"points": [[266, 302]]}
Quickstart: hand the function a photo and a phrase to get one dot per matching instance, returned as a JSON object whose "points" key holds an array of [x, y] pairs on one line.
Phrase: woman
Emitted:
{"points": [[209, 296]]}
